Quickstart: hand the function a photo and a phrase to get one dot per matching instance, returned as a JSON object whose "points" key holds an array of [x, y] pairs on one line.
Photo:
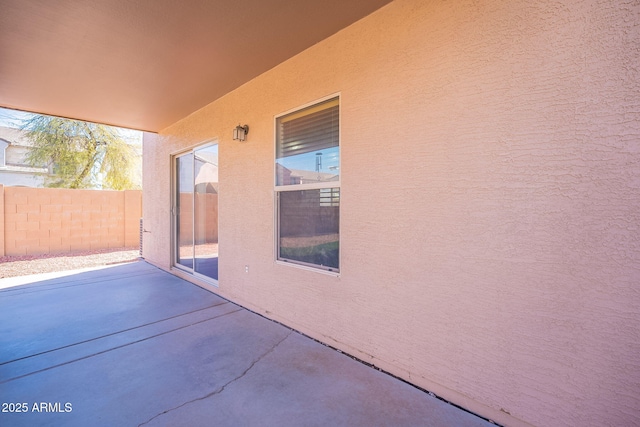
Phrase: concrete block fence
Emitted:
{"points": [[37, 221]]}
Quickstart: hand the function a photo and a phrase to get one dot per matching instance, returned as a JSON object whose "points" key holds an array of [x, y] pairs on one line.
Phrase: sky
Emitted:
{"points": [[307, 161], [14, 118]]}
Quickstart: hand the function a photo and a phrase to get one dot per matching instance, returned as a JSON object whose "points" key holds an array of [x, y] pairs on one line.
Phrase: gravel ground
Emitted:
{"points": [[12, 266]]}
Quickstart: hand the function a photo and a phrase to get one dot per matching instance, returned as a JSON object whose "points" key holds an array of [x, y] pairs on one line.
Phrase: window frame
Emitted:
{"points": [[277, 189]]}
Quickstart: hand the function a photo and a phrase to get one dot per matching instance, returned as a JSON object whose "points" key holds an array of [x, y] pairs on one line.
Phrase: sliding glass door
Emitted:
{"points": [[196, 211]]}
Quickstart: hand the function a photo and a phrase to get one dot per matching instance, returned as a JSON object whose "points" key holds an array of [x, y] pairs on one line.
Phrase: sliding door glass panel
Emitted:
{"points": [[184, 210], [206, 211]]}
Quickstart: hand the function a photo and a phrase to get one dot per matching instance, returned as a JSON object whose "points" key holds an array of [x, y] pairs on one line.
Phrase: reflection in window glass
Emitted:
{"points": [[308, 185], [184, 207], [197, 211], [206, 211], [307, 145], [309, 225]]}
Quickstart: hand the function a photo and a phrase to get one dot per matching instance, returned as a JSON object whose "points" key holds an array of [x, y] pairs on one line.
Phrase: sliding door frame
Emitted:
{"points": [[175, 257]]}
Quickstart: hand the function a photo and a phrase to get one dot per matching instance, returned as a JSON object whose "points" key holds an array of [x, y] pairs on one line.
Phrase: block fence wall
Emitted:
{"points": [[39, 221]]}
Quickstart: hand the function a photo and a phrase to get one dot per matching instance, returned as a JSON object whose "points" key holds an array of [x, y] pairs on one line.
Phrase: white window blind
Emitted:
{"points": [[312, 129]]}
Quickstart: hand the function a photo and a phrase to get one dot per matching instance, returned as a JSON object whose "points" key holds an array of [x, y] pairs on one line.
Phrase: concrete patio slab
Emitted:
{"points": [[132, 345]]}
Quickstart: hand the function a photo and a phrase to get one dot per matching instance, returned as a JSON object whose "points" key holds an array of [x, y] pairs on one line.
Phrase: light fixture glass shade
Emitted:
{"points": [[240, 133]]}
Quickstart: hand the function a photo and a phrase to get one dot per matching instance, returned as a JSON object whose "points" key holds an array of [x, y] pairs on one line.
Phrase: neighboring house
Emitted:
{"points": [[14, 169]]}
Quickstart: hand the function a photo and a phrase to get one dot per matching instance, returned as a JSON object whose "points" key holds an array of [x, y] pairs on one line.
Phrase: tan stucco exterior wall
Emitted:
{"points": [[57, 220], [490, 163]]}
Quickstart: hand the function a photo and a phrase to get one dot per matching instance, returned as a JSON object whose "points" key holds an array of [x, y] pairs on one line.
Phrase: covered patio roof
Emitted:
{"points": [[146, 64], [134, 345]]}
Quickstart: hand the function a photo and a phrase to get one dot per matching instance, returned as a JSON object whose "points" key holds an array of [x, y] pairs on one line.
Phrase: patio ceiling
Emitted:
{"points": [[146, 64]]}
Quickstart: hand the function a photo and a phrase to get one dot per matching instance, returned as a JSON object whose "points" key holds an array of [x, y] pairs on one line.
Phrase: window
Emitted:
{"points": [[308, 186], [3, 148]]}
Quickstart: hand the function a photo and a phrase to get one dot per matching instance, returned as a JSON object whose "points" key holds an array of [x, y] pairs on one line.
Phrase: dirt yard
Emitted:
{"points": [[12, 266]]}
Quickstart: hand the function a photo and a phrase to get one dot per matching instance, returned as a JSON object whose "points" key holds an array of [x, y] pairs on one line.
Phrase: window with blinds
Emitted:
{"points": [[307, 143], [308, 186]]}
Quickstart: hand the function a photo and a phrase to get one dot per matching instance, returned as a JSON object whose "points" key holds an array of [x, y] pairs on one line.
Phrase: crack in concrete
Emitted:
{"points": [[220, 389]]}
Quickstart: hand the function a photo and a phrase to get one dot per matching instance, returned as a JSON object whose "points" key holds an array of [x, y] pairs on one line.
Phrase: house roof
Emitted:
{"points": [[146, 64], [307, 176]]}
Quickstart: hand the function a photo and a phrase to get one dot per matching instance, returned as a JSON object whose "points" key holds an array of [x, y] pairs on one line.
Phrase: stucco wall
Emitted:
{"points": [[490, 164], [17, 155]]}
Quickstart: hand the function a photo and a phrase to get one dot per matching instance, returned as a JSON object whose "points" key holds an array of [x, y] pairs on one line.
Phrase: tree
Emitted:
{"points": [[77, 151]]}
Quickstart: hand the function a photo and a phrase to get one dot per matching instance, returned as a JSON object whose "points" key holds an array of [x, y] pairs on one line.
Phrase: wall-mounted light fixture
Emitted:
{"points": [[240, 133]]}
